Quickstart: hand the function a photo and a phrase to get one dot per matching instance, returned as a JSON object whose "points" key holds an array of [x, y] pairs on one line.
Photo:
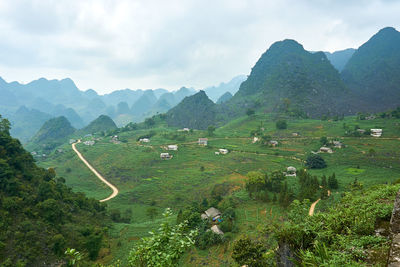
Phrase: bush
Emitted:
{"points": [[315, 162], [281, 124], [208, 238]]}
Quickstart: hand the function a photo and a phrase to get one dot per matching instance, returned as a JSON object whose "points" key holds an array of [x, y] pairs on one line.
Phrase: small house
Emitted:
{"points": [[361, 131], [337, 144], [376, 132], [291, 171], [216, 153], [223, 151], [255, 139], [186, 129], [216, 230], [165, 156], [89, 143], [295, 134], [203, 141], [371, 117], [325, 149], [33, 153], [212, 213], [273, 143], [71, 141], [144, 140], [172, 147]]}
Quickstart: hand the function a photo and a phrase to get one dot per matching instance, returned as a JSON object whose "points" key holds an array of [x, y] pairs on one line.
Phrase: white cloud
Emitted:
{"points": [[107, 45]]}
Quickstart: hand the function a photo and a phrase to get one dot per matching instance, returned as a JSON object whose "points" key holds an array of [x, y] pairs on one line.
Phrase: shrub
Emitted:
{"points": [[281, 124], [315, 162]]}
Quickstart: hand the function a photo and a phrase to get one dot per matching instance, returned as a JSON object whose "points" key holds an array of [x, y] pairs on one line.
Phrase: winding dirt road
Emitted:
{"points": [[114, 189], [312, 208]]}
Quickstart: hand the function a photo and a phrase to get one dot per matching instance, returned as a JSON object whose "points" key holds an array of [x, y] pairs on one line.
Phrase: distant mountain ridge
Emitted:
{"points": [[373, 72], [215, 92], [340, 58]]}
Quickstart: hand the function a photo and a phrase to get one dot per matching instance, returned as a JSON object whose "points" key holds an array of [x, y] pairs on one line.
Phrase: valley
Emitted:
{"points": [[147, 182]]}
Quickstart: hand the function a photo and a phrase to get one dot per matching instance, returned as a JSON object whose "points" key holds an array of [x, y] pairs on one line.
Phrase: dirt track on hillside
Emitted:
{"points": [[114, 189]]}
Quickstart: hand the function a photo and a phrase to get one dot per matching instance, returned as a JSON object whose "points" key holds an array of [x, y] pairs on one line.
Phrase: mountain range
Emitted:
{"points": [[289, 80]]}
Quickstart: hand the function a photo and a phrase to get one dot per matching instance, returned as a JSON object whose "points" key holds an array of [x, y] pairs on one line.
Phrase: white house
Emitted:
{"points": [[223, 151], [337, 144], [216, 230], [255, 139], [203, 141], [273, 143], [325, 149], [144, 140], [165, 156], [376, 132], [291, 171], [172, 147], [89, 143]]}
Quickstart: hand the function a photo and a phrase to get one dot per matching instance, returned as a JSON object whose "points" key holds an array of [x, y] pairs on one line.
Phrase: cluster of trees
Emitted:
{"points": [[40, 216], [355, 131], [266, 187], [315, 161]]}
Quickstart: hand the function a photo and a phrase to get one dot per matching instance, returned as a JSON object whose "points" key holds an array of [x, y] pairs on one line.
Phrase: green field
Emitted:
{"points": [[144, 180]]}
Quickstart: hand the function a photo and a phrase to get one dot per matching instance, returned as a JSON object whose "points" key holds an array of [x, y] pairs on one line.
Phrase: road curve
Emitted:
{"points": [[114, 189], [312, 208]]}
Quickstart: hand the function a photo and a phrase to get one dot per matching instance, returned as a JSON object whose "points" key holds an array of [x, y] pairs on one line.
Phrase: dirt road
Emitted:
{"points": [[312, 208], [114, 189]]}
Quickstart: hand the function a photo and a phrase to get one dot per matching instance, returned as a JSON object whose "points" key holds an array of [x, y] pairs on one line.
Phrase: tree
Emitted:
{"points": [[250, 112], [163, 247], [323, 140], [333, 182], [315, 161], [211, 130], [151, 213], [4, 125], [255, 182], [281, 124], [249, 252], [149, 122]]}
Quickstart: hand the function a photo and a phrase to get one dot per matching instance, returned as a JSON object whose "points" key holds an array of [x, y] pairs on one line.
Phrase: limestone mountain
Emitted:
{"points": [[288, 78], [53, 132], [225, 97], [215, 92], [340, 58], [373, 72], [196, 111], [102, 123]]}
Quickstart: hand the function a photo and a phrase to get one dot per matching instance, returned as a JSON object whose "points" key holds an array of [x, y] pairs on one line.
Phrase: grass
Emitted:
{"points": [[144, 180]]}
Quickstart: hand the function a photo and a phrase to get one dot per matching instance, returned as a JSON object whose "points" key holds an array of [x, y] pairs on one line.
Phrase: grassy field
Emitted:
{"points": [[144, 180]]}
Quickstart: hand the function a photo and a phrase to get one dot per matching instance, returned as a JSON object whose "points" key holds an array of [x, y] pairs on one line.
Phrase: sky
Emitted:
{"points": [[115, 44]]}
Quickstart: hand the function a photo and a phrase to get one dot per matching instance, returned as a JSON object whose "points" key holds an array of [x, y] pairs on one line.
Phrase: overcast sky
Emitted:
{"points": [[116, 44]]}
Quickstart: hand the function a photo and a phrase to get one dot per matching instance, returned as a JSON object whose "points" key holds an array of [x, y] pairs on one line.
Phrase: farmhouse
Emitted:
{"points": [[165, 156], [223, 151], [337, 144], [325, 149], [203, 141], [361, 131], [172, 147], [255, 139], [273, 143], [376, 132], [295, 134], [144, 140], [212, 213], [216, 230], [216, 153], [291, 171], [89, 143]]}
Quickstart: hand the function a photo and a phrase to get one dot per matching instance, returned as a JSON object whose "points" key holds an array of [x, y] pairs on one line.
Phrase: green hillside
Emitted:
{"points": [[289, 79], [196, 111], [102, 123], [196, 178], [373, 72], [40, 216]]}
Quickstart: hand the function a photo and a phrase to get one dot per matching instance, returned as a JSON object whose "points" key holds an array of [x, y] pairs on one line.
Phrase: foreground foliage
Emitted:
{"points": [[39, 216], [164, 247], [342, 236]]}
